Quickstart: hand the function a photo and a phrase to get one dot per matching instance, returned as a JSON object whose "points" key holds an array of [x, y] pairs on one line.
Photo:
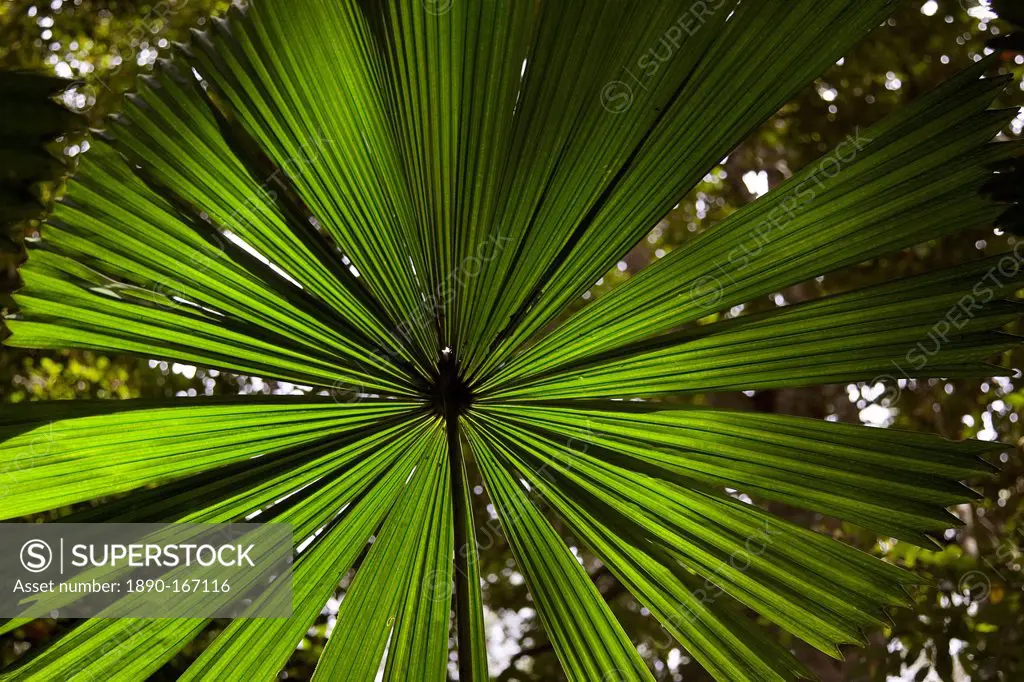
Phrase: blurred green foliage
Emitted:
{"points": [[106, 45]]}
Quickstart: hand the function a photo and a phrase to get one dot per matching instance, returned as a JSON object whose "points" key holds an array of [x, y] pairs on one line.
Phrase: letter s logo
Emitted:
{"points": [[36, 556]]}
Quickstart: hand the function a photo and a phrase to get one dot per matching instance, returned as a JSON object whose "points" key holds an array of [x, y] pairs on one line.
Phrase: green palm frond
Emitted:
{"points": [[394, 204]]}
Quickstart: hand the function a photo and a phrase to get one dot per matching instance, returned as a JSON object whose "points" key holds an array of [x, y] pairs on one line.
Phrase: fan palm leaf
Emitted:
{"points": [[394, 204]]}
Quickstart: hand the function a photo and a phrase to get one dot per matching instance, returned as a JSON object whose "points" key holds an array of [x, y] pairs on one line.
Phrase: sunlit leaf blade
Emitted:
{"points": [[696, 81], [401, 595], [173, 281], [727, 644], [355, 189], [899, 485], [103, 648], [453, 76], [305, 486], [72, 460], [469, 615], [167, 123], [590, 643], [791, 578], [318, 572], [908, 328], [913, 177], [389, 204]]}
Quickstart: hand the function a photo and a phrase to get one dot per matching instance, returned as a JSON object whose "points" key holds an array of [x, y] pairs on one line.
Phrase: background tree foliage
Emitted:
{"points": [[968, 622]]}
